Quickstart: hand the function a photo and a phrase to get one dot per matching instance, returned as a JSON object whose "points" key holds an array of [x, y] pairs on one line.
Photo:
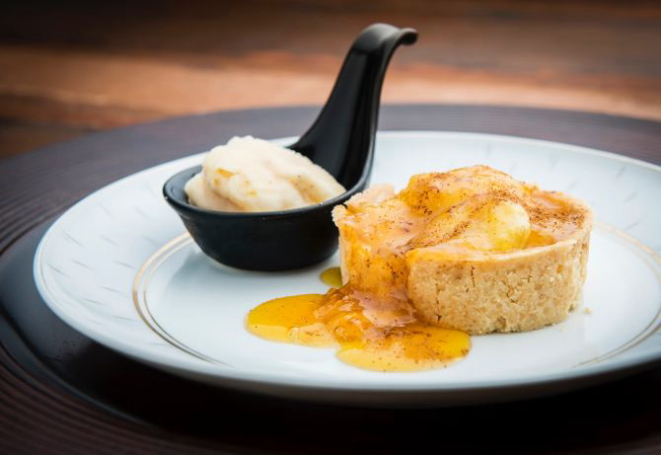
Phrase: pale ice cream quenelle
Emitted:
{"points": [[253, 175]]}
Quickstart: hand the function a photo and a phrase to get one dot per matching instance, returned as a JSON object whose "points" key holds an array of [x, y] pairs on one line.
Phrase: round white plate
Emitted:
{"points": [[118, 269]]}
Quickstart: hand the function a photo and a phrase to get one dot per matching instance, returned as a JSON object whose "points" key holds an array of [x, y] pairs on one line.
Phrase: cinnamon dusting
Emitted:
{"points": [[371, 318]]}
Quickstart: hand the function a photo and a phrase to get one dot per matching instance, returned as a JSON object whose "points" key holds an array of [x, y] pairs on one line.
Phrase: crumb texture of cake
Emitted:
{"points": [[471, 249], [515, 294]]}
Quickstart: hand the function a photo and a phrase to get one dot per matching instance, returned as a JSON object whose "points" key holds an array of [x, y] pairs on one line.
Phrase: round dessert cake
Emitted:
{"points": [[471, 249]]}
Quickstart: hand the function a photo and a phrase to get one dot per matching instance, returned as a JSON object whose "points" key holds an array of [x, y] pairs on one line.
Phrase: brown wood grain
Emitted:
{"points": [[74, 66]]}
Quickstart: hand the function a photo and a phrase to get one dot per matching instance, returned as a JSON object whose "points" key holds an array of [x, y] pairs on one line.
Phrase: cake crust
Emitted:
{"points": [[511, 292], [473, 289]]}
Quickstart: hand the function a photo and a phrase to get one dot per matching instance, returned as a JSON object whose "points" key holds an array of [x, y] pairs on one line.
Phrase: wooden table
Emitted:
{"points": [[70, 67]]}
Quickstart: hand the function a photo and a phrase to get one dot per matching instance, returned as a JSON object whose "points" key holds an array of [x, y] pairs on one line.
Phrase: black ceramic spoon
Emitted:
{"points": [[341, 141]]}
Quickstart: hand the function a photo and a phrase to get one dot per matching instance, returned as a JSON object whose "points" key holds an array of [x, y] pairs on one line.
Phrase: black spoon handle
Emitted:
{"points": [[341, 140]]}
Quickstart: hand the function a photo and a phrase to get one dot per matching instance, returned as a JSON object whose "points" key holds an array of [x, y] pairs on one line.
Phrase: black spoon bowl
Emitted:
{"points": [[341, 140]]}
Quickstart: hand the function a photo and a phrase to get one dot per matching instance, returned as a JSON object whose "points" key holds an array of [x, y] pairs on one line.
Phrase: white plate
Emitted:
{"points": [[110, 268]]}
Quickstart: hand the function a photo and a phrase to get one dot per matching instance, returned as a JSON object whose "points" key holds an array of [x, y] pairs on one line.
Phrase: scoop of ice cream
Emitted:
{"points": [[253, 175]]}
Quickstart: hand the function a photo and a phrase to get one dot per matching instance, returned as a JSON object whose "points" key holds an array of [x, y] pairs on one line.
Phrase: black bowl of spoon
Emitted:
{"points": [[341, 140]]}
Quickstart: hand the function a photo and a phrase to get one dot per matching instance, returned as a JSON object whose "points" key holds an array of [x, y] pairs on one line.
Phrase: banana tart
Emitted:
{"points": [[471, 249]]}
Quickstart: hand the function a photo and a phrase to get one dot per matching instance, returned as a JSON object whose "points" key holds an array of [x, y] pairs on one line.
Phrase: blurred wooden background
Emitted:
{"points": [[70, 67]]}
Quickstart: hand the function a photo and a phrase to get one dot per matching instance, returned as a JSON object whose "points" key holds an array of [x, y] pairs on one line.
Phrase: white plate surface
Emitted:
{"points": [[185, 314]]}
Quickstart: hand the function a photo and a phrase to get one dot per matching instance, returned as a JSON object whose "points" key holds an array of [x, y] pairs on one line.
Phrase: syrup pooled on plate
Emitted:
{"points": [[421, 263], [332, 277], [369, 333]]}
